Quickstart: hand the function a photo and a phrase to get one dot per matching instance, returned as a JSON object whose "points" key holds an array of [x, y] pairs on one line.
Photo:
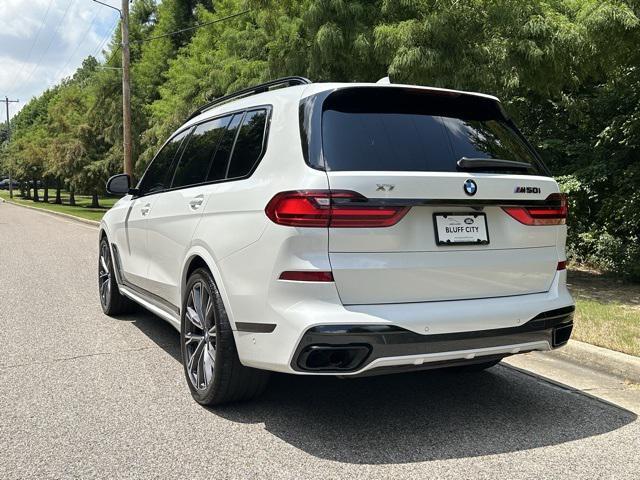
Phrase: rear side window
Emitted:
{"points": [[198, 154], [249, 143], [160, 171], [374, 129], [218, 170]]}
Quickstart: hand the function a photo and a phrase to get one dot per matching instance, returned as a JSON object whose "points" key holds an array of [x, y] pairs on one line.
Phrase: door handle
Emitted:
{"points": [[145, 210], [196, 202]]}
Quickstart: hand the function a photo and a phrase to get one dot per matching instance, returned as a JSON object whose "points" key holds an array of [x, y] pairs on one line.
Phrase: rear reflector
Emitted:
{"points": [[310, 276], [562, 265], [555, 213], [325, 208]]}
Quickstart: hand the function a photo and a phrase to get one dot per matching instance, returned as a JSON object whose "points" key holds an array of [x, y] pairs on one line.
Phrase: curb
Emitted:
{"points": [[54, 213], [620, 365]]}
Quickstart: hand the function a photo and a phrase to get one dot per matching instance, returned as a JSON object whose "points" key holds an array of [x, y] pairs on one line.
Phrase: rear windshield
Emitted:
{"points": [[375, 129]]}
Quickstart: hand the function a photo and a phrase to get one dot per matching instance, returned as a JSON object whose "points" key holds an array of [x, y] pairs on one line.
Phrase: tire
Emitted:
{"points": [[475, 367], [111, 300], [211, 365]]}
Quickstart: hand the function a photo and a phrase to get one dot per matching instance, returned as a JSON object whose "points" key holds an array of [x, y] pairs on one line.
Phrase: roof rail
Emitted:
{"points": [[247, 92]]}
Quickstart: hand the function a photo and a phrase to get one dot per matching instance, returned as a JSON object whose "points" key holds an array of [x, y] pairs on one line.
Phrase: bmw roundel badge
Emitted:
{"points": [[470, 187]]}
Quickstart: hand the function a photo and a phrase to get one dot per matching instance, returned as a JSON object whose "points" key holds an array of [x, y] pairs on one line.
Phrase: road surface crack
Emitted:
{"points": [[76, 357]]}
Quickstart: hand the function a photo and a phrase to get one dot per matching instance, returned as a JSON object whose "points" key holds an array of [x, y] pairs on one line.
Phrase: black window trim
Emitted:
{"points": [[213, 157], [193, 126], [233, 146]]}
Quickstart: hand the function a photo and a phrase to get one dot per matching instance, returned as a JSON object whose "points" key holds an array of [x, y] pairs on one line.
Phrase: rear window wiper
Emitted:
{"points": [[491, 163]]}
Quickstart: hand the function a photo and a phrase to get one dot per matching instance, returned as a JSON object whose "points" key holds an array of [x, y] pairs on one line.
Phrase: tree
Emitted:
{"points": [[27, 152], [78, 150]]}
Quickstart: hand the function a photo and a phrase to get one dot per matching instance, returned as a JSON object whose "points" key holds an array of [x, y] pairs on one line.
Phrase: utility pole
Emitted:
{"points": [[7, 102], [126, 85], [126, 91]]}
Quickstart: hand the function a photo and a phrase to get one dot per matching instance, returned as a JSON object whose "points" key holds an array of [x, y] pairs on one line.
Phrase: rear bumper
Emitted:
{"points": [[421, 335], [358, 349]]}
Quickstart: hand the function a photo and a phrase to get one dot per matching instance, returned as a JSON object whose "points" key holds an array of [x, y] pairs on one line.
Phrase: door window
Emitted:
{"points": [[198, 154], [159, 173]]}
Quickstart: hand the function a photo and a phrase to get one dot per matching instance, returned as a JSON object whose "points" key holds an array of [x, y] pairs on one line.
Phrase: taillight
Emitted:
{"points": [[562, 265], [555, 213], [325, 208]]}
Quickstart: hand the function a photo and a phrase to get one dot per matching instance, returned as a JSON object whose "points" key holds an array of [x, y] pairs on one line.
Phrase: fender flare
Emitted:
{"points": [[102, 228], [205, 255]]}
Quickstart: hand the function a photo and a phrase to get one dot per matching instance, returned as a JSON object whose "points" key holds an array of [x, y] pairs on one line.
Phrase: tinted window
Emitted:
{"points": [[402, 131], [485, 139], [219, 168], [159, 173], [197, 155], [249, 144]]}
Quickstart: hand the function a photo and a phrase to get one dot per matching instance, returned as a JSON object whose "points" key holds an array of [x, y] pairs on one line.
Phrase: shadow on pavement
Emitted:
{"points": [[414, 417]]}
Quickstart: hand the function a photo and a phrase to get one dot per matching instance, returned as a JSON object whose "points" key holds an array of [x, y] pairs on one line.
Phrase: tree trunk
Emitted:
{"points": [[45, 199], [72, 198], [58, 199], [36, 198], [95, 203]]}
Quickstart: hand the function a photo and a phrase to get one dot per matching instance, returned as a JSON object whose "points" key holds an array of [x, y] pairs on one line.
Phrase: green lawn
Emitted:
{"points": [[81, 209], [607, 311], [611, 325]]}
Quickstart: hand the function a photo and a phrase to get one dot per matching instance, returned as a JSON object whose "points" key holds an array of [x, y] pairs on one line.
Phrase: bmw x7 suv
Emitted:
{"points": [[343, 229]]}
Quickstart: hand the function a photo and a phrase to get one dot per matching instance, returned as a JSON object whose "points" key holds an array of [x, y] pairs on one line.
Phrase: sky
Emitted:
{"points": [[43, 41]]}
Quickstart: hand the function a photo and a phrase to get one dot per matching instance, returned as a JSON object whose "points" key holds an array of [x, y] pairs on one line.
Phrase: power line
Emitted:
{"points": [[106, 38], [115, 50], [199, 25], [50, 40], [84, 35], [193, 27], [33, 44]]}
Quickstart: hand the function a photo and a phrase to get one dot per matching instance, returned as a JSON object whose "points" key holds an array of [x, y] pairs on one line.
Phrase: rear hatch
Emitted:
{"points": [[472, 211]]}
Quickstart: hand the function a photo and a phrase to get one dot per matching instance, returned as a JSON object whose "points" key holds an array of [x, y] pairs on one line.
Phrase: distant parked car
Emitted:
{"points": [[4, 184], [341, 229]]}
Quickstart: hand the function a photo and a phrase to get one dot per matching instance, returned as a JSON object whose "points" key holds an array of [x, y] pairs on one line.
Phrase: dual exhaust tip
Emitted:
{"points": [[328, 358], [561, 334]]}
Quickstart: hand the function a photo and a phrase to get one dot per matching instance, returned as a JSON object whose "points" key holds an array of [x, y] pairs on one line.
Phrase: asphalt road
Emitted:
{"points": [[83, 395]]}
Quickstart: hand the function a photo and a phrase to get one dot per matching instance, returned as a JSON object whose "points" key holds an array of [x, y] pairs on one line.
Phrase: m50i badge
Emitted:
{"points": [[521, 189]]}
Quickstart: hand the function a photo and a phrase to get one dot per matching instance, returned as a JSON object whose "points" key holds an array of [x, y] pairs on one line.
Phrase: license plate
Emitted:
{"points": [[461, 228]]}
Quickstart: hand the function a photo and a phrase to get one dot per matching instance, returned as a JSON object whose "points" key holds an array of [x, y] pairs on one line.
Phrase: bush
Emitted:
{"points": [[605, 252]]}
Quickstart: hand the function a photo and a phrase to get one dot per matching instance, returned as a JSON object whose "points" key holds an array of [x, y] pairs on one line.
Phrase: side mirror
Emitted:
{"points": [[118, 184]]}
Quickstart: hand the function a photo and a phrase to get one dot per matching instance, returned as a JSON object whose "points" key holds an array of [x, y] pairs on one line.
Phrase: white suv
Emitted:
{"points": [[341, 229]]}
